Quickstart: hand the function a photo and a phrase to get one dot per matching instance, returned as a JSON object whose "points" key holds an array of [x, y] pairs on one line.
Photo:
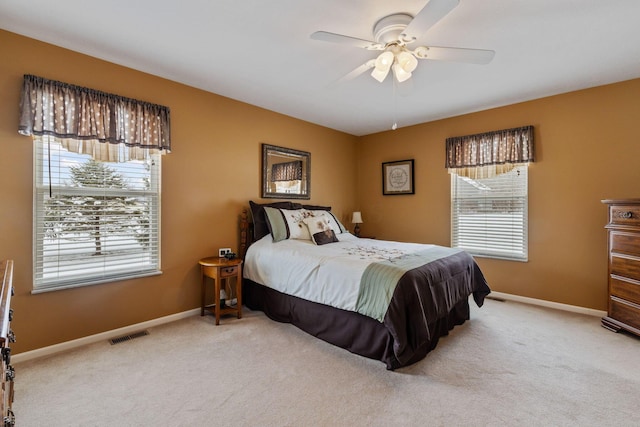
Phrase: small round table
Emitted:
{"points": [[220, 269]]}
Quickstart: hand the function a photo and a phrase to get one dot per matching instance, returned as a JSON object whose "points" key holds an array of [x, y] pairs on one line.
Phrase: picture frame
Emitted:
{"points": [[286, 173], [398, 178]]}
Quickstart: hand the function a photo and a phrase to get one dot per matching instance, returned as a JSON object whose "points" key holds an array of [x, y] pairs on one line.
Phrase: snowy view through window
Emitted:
{"points": [[94, 220]]}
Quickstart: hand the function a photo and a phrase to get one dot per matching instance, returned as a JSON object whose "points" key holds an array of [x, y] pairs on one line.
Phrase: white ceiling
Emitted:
{"points": [[259, 51]]}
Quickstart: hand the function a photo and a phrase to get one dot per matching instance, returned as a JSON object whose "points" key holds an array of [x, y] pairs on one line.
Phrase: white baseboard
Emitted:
{"points": [[68, 345], [549, 304]]}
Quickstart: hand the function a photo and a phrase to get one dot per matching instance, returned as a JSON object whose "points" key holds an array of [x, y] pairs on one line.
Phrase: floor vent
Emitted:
{"points": [[129, 337]]}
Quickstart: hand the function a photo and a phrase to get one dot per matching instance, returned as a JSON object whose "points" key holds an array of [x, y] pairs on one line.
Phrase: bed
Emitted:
{"points": [[389, 301]]}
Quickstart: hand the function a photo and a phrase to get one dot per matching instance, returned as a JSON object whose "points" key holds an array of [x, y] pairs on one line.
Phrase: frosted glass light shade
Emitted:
{"points": [[382, 66], [384, 60], [404, 65], [407, 61], [400, 74]]}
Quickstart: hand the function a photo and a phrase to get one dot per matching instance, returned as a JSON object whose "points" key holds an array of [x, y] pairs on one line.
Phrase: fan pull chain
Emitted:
{"points": [[394, 126]]}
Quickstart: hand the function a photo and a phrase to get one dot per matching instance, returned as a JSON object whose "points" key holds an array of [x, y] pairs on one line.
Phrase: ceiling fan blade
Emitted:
{"points": [[455, 54], [430, 14], [347, 40], [360, 70]]}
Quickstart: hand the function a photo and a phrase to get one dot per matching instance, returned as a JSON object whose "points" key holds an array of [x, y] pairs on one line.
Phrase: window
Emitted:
{"points": [[94, 221], [96, 183], [489, 215]]}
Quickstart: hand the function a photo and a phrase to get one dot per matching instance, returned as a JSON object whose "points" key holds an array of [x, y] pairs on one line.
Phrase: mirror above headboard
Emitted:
{"points": [[286, 173]]}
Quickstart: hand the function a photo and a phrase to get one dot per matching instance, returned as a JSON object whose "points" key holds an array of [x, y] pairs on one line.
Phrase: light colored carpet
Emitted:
{"points": [[512, 365]]}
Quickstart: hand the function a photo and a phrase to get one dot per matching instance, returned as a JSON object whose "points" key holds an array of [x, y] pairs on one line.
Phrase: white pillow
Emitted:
{"points": [[331, 219], [320, 230], [295, 223]]}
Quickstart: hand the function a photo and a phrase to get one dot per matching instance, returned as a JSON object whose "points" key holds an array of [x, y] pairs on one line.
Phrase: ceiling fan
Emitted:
{"points": [[394, 33]]}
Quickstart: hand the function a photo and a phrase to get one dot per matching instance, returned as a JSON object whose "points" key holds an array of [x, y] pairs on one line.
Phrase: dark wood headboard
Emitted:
{"points": [[246, 233]]}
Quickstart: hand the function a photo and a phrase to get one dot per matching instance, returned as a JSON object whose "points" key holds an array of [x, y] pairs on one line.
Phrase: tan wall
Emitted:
{"points": [[587, 149], [208, 178]]}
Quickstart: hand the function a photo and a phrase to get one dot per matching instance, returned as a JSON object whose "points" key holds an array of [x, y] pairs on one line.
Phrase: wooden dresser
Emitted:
{"points": [[6, 338], [624, 265]]}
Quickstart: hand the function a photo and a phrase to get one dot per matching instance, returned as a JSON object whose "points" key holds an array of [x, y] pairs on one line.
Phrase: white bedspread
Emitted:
{"points": [[328, 274]]}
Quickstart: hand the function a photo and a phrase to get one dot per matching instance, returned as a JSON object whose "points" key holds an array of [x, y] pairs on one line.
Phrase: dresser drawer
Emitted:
{"points": [[625, 289], [625, 312], [624, 242], [625, 215], [625, 266]]}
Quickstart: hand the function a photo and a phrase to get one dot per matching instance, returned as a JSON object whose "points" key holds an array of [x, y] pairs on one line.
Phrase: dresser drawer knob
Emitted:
{"points": [[627, 215], [12, 336]]}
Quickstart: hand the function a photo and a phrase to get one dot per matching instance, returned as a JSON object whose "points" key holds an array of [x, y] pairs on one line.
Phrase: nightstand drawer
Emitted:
{"points": [[228, 271]]}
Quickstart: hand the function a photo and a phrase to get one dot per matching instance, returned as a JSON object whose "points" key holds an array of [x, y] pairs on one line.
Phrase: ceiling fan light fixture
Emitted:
{"points": [[382, 66], [400, 74], [406, 61], [379, 75], [384, 61]]}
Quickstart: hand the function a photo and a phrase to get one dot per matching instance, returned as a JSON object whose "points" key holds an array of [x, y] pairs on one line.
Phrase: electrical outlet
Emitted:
{"points": [[223, 251]]}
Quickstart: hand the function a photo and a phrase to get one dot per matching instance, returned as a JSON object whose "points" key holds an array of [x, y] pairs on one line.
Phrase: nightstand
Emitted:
{"points": [[220, 269]]}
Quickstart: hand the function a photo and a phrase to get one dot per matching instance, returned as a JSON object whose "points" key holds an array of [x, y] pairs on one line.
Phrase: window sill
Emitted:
{"points": [[61, 287]]}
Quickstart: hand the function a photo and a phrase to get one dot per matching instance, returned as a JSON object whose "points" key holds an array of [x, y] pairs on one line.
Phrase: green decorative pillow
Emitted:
{"points": [[320, 230], [276, 223], [260, 226]]}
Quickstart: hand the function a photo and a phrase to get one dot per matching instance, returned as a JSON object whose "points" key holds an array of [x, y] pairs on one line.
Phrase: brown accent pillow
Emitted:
{"points": [[320, 230]]}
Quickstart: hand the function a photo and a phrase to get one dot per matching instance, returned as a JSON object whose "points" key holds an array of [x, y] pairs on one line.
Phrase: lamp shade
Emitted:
{"points": [[356, 218]]}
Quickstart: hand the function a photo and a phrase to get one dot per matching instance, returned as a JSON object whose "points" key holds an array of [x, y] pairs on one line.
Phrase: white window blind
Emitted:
{"points": [[489, 215], [94, 222]]}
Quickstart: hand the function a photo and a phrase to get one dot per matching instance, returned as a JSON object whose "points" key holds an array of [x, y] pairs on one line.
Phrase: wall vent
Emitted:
{"points": [[129, 337]]}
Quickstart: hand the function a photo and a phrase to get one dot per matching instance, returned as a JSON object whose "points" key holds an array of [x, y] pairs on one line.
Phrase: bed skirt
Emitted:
{"points": [[352, 331]]}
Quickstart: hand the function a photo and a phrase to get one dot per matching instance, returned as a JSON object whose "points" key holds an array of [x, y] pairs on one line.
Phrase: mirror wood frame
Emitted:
{"points": [[270, 156]]}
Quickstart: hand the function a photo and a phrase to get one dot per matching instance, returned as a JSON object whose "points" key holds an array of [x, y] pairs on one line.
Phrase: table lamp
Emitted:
{"points": [[356, 218]]}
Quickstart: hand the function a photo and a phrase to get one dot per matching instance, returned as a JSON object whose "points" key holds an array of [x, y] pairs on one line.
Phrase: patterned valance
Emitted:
{"points": [[85, 118], [288, 171], [488, 154]]}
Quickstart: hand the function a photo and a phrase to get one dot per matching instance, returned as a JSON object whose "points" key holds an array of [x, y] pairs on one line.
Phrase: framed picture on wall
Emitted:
{"points": [[397, 177]]}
